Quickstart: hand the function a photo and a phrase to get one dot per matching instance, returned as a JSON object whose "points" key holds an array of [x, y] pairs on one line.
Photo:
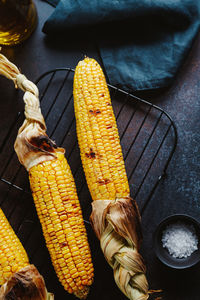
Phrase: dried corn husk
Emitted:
{"points": [[117, 225], [27, 284]]}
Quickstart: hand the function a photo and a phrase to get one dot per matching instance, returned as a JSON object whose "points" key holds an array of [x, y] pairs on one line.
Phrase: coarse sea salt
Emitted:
{"points": [[180, 239]]}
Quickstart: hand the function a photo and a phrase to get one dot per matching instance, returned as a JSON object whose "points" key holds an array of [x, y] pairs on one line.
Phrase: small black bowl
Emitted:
{"points": [[162, 253]]}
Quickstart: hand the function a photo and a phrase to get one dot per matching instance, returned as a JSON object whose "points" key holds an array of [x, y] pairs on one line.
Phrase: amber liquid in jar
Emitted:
{"points": [[18, 19]]}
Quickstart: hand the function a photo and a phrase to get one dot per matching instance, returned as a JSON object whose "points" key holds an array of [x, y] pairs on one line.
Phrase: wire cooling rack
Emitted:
{"points": [[148, 137]]}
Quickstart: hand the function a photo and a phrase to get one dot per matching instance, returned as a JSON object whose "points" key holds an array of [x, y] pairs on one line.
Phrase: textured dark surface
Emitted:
{"points": [[178, 193]]}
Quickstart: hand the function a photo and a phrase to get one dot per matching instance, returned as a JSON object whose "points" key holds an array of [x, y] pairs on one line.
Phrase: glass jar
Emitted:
{"points": [[18, 19]]}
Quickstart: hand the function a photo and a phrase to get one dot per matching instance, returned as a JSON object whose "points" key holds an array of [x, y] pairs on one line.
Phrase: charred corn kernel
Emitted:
{"points": [[97, 132], [61, 224], [12, 254]]}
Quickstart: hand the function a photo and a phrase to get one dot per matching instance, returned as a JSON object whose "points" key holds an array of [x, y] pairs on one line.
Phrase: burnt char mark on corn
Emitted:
{"points": [[94, 112], [106, 181], [91, 154]]}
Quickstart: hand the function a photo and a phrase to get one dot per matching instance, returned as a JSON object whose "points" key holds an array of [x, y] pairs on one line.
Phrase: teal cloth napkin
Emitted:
{"points": [[142, 43]]}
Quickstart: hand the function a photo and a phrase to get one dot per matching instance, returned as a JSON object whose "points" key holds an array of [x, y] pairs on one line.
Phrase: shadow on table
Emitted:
{"points": [[178, 284]]}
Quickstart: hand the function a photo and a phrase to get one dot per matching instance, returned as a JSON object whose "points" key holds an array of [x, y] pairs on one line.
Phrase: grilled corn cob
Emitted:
{"points": [[59, 211], [54, 193], [115, 216], [17, 277]]}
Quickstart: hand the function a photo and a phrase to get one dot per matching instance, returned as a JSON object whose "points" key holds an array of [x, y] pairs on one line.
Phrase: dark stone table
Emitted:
{"points": [[179, 192]]}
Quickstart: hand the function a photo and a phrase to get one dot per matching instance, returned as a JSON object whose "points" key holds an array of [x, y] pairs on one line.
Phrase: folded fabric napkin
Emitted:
{"points": [[142, 43]]}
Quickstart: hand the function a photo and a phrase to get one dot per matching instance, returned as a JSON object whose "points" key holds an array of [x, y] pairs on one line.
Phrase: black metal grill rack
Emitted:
{"points": [[148, 137]]}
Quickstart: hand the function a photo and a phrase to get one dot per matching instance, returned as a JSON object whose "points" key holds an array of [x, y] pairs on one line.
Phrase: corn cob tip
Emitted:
{"points": [[85, 61], [82, 294]]}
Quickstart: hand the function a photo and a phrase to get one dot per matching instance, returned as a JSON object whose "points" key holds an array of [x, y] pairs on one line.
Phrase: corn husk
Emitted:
{"points": [[117, 225], [27, 284]]}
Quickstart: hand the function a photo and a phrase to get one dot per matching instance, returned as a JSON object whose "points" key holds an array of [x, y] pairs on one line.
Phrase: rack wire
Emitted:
{"points": [[148, 137]]}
